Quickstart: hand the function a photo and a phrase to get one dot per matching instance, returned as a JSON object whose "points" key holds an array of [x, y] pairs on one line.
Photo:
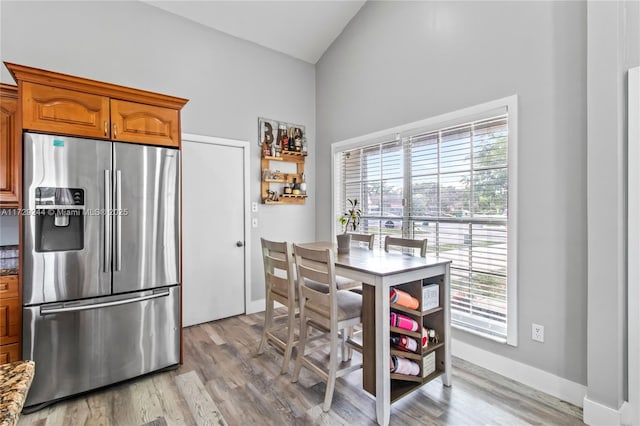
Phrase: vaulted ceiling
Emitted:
{"points": [[302, 29]]}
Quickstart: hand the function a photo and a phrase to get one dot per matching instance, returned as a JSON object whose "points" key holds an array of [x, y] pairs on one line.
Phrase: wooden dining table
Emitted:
{"points": [[379, 271]]}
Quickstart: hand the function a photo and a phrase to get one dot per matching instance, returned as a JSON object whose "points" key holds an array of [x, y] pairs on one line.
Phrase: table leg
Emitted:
{"points": [[383, 379], [369, 338], [446, 378]]}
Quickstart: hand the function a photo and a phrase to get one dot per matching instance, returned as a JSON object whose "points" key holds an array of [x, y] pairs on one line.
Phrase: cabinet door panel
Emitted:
{"points": [[8, 286], [55, 110], [9, 321], [9, 154], [9, 353], [133, 122]]}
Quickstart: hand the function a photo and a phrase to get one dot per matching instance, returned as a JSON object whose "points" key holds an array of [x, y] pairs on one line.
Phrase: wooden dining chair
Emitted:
{"points": [[406, 243], [334, 313], [280, 287], [368, 239]]}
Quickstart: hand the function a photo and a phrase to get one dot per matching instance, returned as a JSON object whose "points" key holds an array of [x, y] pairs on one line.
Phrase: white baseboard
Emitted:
{"points": [[541, 380], [255, 306], [596, 414]]}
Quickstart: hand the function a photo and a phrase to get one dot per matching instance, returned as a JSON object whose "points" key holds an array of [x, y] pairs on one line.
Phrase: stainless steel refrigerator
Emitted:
{"points": [[101, 263]]}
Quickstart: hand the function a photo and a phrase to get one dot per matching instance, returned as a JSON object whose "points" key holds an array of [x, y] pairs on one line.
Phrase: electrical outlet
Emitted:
{"points": [[254, 207], [537, 332]]}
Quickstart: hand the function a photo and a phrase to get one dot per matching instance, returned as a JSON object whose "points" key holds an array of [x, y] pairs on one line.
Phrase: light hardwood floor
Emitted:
{"points": [[223, 381]]}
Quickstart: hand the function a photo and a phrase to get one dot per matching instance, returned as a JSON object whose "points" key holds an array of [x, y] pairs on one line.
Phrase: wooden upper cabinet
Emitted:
{"points": [[9, 148], [64, 104], [51, 109], [134, 122]]}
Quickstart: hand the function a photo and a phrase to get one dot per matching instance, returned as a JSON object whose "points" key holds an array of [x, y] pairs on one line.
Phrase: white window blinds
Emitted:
{"points": [[450, 186]]}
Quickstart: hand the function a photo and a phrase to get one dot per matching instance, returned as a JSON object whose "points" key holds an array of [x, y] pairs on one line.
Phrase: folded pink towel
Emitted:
{"points": [[400, 365], [403, 322], [403, 298]]}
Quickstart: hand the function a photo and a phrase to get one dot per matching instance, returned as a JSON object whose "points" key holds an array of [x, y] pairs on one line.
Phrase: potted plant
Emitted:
{"points": [[351, 218]]}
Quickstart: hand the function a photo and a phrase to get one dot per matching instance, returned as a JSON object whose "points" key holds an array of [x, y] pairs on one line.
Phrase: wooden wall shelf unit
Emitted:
{"points": [[63, 104], [281, 178], [434, 318]]}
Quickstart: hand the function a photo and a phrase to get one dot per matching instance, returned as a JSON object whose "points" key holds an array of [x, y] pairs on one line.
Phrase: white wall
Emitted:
{"points": [[229, 82], [399, 62], [613, 48]]}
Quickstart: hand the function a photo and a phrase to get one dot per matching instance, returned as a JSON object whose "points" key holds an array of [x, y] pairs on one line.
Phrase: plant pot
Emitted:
{"points": [[344, 243]]}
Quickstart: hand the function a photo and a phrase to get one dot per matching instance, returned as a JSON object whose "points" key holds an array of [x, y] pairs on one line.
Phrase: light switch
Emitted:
{"points": [[254, 222]]}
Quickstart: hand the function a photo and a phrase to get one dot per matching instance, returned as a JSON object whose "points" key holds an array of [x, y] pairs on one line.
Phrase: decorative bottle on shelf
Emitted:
{"points": [[297, 139], [303, 186], [429, 335], [285, 141], [295, 189], [291, 142], [287, 188]]}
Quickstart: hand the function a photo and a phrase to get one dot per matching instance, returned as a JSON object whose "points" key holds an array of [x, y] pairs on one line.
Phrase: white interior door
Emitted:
{"points": [[214, 228]]}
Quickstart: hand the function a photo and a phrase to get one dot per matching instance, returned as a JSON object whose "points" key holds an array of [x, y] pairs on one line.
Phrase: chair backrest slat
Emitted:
{"points": [[406, 243], [364, 238], [314, 274], [278, 267]]}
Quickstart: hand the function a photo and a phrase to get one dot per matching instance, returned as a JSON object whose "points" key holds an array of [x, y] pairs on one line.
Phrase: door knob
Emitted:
{"points": [[239, 243]]}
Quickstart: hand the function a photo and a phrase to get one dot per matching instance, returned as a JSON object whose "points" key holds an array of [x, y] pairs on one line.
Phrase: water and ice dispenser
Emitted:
{"points": [[59, 219]]}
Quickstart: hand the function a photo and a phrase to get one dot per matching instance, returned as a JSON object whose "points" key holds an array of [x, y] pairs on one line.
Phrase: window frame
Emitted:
{"points": [[450, 119]]}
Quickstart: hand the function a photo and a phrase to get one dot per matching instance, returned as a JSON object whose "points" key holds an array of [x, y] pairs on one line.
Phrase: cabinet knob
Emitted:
{"points": [[106, 127]]}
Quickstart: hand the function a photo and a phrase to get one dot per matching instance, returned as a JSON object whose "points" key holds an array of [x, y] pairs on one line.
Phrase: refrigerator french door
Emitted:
{"points": [[101, 262]]}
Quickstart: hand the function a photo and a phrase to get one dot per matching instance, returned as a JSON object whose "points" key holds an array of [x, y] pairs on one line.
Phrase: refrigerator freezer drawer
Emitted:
{"points": [[79, 346]]}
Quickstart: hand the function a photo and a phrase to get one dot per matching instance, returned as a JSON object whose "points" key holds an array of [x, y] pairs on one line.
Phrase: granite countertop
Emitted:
{"points": [[15, 380], [8, 260]]}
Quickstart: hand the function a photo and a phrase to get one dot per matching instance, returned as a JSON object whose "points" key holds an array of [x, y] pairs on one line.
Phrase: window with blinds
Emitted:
{"points": [[450, 186]]}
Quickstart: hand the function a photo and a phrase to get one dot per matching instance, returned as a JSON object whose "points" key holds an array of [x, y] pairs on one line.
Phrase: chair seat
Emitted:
{"points": [[342, 283], [349, 306], [345, 283]]}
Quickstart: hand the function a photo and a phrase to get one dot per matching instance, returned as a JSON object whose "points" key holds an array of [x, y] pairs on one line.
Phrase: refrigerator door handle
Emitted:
{"points": [[60, 309], [118, 213], [107, 221]]}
